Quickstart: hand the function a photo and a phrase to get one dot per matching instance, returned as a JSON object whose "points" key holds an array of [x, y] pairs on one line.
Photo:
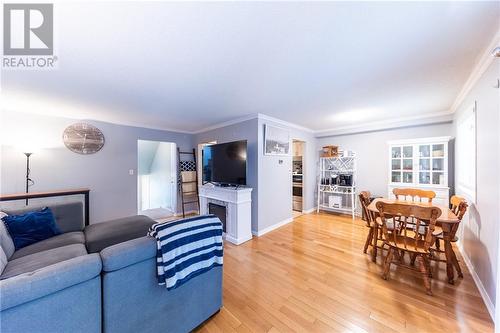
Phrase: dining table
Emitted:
{"points": [[447, 221]]}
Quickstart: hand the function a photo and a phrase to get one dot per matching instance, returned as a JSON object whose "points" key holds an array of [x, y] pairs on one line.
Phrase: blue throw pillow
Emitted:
{"points": [[31, 227]]}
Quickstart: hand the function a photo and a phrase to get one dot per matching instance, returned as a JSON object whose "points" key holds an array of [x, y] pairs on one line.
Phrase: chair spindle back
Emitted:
{"points": [[409, 237], [458, 206], [415, 194], [364, 199]]}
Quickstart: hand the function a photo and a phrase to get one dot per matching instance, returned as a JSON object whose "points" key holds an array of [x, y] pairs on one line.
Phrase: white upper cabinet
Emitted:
{"points": [[420, 163]]}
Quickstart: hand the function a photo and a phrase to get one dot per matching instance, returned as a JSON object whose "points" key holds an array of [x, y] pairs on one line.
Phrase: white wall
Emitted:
{"points": [[372, 150], [480, 229], [146, 151], [160, 185]]}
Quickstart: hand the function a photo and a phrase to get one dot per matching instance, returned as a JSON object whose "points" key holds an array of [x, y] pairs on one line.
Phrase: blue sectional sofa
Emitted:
{"points": [[134, 302], [59, 285], [53, 285]]}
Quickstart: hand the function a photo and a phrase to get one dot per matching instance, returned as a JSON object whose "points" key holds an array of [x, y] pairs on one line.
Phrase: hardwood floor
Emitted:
{"points": [[312, 276]]}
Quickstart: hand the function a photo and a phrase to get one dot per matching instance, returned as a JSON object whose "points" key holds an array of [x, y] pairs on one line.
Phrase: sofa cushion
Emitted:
{"points": [[69, 238], [31, 227], [35, 261], [101, 235], [69, 215], [5, 240]]}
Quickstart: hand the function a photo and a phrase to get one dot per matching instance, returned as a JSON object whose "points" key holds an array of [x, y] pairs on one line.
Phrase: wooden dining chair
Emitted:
{"points": [[459, 208], [405, 239], [364, 199], [415, 194]]}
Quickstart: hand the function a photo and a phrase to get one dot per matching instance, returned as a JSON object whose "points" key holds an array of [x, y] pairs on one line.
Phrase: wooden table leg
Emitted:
{"points": [[457, 265], [448, 251], [375, 243]]}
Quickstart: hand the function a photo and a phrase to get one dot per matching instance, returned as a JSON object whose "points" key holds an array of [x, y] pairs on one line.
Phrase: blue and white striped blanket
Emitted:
{"points": [[186, 248]]}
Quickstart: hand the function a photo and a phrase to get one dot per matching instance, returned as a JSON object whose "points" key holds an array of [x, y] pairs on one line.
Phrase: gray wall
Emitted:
{"points": [[246, 130], [271, 181], [275, 179], [106, 173], [480, 229], [371, 150]]}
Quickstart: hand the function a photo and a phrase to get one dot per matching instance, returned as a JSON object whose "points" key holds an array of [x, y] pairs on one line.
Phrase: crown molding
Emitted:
{"points": [[49, 108], [226, 123], [139, 125], [250, 117], [284, 123], [482, 63], [434, 118]]}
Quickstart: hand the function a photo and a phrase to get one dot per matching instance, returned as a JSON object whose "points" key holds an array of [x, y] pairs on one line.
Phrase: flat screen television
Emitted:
{"points": [[225, 163]]}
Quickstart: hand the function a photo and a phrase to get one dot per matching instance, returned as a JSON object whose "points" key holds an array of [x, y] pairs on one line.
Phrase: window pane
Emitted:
{"points": [[408, 164], [438, 178], [396, 164], [396, 152], [408, 151], [424, 164], [424, 178], [396, 177], [438, 150], [437, 164], [425, 151], [407, 177]]}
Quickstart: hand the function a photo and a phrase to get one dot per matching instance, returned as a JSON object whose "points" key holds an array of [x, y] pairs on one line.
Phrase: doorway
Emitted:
{"points": [[156, 179], [298, 150]]}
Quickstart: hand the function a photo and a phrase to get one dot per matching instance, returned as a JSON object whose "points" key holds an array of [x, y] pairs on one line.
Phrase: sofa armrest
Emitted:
{"points": [[128, 253], [48, 280]]}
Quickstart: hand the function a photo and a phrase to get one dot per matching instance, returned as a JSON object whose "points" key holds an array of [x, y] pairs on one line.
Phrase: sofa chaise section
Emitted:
{"points": [[134, 302]]}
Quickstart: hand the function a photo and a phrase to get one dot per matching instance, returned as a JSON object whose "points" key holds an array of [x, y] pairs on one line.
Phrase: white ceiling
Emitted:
{"points": [[188, 66]]}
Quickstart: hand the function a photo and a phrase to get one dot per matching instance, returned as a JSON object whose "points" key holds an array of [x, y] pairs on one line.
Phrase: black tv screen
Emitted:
{"points": [[225, 163]]}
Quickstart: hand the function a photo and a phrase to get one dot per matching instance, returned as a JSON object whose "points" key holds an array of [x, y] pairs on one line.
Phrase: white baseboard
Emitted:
{"points": [[259, 233], [237, 241], [479, 284], [314, 209], [309, 211]]}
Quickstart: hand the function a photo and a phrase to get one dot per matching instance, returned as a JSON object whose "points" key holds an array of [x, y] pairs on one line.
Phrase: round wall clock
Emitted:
{"points": [[83, 138]]}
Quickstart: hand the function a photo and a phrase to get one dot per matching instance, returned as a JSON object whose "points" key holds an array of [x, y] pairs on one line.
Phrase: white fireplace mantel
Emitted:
{"points": [[238, 203]]}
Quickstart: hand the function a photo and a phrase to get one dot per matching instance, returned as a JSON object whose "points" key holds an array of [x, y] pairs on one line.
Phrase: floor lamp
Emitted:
{"points": [[29, 181]]}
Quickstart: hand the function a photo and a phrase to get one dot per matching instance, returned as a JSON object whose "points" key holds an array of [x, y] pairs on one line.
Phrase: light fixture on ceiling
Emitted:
{"points": [[496, 52]]}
